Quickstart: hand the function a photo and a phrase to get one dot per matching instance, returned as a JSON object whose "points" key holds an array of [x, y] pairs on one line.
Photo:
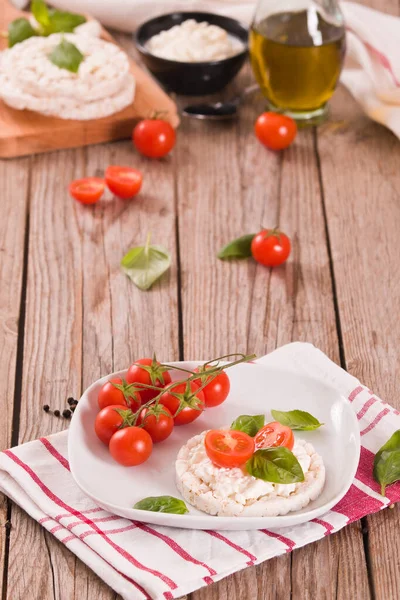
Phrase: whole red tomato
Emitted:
{"points": [[150, 372], [109, 420], [270, 247], [117, 391], [131, 446], [154, 137], [217, 390], [275, 131], [157, 421], [184, 401]]}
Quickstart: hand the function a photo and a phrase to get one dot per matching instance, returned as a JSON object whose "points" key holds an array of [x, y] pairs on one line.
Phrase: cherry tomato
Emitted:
{"points": [[154, 137], [215, 392], [275, 131], [88, 190], [228, 448], [109, 420], [270, 247], [274, 434], [157, 421], [122, 395], [131, 446], [150, 372], [188, 400], [123, 182]]}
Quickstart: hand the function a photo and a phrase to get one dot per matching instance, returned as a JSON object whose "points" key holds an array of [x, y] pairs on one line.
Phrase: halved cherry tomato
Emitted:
{"points": [[275, 131], [228, 448], [270, 247], [109, 420], [150, 372], [154, 137], [157, 421], [215, 392], [131, 446], [185, 403], [88, 190], [124, 182], [274, 434], [122, 395]]}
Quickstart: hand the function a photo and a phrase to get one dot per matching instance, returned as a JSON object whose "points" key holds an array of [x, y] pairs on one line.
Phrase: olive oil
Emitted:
{"points": [[297, 58]]}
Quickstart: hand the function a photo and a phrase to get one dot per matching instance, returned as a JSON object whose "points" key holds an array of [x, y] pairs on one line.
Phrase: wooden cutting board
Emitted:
{"points": [[26, 132]]}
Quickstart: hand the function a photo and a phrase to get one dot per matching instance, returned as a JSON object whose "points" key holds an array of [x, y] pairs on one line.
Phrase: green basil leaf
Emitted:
{"points": [[66, 56], [164, 504], [145, 264], [19, 30], [250, 424], [239, 248], [387, 462], [276, 465], [64, 22], [41, 13], [298, 420]]}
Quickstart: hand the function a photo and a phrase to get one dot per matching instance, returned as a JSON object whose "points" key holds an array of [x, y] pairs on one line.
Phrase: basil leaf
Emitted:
{"points": [[19, 30], [277, 465], [250, 424], [298, 420], [387, 462], [41, 13], [239, 248], [145, 264], [164, 504], [66, 56], [64, 22]]}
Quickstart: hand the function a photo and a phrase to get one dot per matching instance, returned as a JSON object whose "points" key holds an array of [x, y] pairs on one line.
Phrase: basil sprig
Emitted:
{"points": [[66, 56], [164, 504], [145, 264], [298, 420], [48, 21], [239, 248], [387, 462], [276, 465], [250, 424]]}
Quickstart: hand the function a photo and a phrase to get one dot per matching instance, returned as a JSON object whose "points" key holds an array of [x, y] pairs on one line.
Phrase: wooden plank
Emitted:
{"points": [[26, 132], [361, 182], [241, 306], [14, 202]]}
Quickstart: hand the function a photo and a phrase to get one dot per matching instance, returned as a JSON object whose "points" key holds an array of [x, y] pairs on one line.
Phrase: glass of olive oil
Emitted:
{"points": [[297, 49]]}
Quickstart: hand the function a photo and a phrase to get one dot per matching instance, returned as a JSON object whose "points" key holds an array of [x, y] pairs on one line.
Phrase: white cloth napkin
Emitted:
{"points": [[145, 561]]}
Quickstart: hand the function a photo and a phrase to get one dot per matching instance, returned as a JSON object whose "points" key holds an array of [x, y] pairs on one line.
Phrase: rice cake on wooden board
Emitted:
{"points": [[23, 132]]}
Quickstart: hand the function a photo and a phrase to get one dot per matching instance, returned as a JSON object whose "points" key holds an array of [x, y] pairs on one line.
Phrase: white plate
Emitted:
{"points": [[255, 389]]}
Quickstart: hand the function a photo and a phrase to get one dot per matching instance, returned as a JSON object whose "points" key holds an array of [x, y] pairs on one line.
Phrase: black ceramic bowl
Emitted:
{"points": [[199, 78]]}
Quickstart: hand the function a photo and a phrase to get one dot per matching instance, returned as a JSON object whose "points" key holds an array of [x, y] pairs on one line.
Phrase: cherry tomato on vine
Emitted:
{"points": [[157, 421], [184, 401], [109, 420], [270, 247], [150, 372], [110, 394], [154, 137], [131, 446], [274, 434], [217, 390], [275, 131], [228, 448], [88, 190], [123, 182]]}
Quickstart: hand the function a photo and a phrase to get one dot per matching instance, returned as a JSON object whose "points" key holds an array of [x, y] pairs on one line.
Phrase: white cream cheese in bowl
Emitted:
{"points": [[194, 41]]}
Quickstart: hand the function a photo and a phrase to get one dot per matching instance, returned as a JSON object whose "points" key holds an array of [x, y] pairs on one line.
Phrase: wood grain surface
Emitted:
{"points": [[69, 315], [25, 132]]}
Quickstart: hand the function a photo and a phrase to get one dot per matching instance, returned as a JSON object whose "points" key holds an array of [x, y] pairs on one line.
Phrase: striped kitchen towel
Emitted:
{"points": [[141, 561]]}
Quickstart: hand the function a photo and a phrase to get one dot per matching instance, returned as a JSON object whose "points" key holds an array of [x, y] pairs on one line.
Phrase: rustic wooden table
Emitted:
{"points": [[68, 314]]}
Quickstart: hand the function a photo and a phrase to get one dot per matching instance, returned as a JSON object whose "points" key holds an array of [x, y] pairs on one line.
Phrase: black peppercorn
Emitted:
{"points": [[46, 408], [56, 413], [67, 413], [71, 401]]}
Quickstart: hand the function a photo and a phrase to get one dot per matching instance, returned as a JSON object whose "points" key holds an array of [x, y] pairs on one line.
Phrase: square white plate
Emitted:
{"points": [[255, 389]]}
